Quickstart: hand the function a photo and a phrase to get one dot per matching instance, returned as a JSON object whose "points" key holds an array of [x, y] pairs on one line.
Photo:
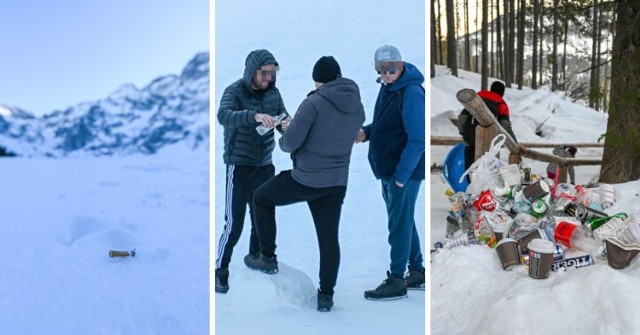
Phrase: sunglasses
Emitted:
{"points": [[391, 69]]}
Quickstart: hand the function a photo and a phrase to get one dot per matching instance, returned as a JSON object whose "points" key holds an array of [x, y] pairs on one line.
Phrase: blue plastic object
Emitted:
{"points": [[453, 168]]}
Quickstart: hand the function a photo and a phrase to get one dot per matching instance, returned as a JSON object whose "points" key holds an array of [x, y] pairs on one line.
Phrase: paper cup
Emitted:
{"points": [[508, 252], [619, 258], [524, 241], [500, 231], [540, 258], [536, 190]]}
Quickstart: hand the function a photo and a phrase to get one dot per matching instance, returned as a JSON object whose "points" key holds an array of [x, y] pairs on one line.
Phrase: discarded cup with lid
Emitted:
{"points": [[540, 258]]}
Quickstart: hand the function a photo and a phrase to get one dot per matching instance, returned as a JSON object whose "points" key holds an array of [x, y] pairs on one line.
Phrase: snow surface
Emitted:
{"points": [[298, 35], [470, 293], [62, 216]]}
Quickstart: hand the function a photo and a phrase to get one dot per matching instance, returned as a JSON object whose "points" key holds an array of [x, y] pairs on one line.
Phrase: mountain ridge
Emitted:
{"points": [[170, 109]]}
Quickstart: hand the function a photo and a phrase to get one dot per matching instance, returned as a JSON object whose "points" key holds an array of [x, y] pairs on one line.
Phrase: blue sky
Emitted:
{"points": [[56, 54]]}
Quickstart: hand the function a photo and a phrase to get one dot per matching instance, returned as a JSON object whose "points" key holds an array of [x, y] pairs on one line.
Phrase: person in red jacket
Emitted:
{"points": [[467, 123]]}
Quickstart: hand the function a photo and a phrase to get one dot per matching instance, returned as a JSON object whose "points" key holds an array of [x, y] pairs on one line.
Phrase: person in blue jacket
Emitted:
{"points": [[396, 154]]}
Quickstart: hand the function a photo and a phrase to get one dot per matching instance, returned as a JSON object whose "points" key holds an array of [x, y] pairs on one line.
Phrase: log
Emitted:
{"points": [[453, 140], [488, 122], [561, 161]]}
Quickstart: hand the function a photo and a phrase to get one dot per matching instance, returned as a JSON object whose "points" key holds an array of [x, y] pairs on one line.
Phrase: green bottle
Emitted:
{"points": [[596, 223]]}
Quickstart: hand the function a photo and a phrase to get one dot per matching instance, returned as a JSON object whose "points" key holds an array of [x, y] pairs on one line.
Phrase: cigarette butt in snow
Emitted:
{"points": [[114, 253]]}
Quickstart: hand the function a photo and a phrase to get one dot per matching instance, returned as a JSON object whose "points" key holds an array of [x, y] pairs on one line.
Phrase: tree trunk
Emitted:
{"points": [[440, 56], [434, 44], [512, 41], [521, 34], [541, 64], [492, 61], [452, 54], [500, 65], [505, 57], [564, 47], [534, 57], [554, 65], [467, 41], [485, 46], [476, 26], [621, 158], [593, 91], [598, 59]]}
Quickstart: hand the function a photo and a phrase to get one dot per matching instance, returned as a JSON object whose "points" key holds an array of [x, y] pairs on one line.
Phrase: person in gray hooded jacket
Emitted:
{"points": [[320, 138], [250, 102]]}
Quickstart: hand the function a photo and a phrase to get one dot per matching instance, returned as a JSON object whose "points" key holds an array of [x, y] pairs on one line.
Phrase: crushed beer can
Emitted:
{"points": [[585, 213], [572, 263]]}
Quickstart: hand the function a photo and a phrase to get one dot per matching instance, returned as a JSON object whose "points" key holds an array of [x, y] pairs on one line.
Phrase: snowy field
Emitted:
{"points": [[470, 293], [285, 303], [60, 219]]}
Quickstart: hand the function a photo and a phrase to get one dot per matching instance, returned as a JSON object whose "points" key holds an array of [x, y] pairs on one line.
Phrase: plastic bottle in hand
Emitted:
{"points": [[575, 237]]}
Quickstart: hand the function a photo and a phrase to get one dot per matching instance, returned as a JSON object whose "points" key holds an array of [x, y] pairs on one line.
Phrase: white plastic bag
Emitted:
{"points": [[485, 172]]}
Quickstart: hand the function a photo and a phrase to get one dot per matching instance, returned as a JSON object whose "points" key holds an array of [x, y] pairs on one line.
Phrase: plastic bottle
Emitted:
{"points": [[564, 194], [465, 240], [575, 237], [548, 225]]}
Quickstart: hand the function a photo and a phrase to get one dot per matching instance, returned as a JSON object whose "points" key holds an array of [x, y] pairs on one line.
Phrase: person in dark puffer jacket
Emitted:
{"points": [[246, 104], [320, 139]]}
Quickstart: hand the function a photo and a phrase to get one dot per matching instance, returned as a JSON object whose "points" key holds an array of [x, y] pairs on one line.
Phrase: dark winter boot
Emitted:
{"points": [[268, 265], [222, 280], [391, 289], [325, 301], [415, 280], [250, 258]]}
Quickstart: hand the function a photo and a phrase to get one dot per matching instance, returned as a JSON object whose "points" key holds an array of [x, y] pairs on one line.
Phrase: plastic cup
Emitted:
{"points": [[510, 174], [619, 258], [540, 258], [607, 195], [508, 252]]}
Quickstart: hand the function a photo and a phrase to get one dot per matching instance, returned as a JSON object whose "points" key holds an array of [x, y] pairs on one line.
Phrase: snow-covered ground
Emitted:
{"points": [[298, 34], [60, 219], [470, 293]]}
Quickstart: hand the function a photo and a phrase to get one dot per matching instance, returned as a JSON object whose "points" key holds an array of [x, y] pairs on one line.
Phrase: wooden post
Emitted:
{"points": [[562, 174], [488, 122], [514, 158], [484, 136]]}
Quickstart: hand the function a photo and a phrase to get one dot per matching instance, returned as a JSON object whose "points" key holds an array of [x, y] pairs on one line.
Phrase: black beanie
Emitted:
{"points": [[497, 87], [326, 70]]}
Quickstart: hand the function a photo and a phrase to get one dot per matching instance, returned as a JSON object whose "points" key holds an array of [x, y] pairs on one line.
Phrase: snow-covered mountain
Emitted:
{"points": [[171, 109]]}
